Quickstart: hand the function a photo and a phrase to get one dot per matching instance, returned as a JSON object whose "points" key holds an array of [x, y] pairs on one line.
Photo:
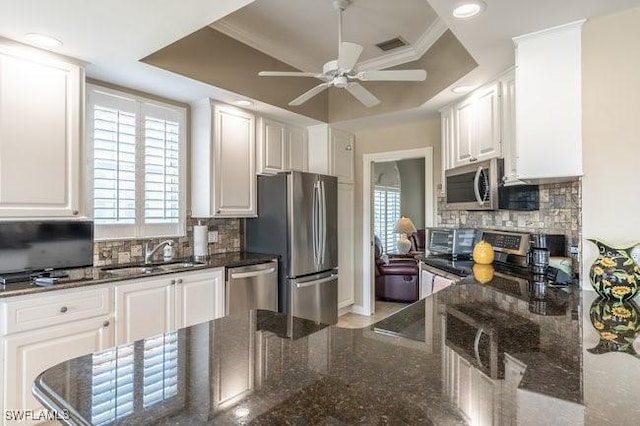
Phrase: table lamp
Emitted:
{"points": [[404, 226]]}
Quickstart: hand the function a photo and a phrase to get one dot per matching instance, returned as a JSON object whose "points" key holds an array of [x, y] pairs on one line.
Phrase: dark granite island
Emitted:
{"points": [[532, 367]]}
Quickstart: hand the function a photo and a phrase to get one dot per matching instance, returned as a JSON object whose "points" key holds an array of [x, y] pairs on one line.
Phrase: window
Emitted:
{"points": [[136, 162], [387, 212]]}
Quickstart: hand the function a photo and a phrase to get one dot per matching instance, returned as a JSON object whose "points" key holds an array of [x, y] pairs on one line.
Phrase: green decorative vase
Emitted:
{"points": [[617, 324], [614, 274]]}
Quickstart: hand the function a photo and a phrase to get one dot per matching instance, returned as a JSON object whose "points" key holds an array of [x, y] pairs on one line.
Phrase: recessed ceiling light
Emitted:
{"points": [[244, 103], [42, 40], [468, 9], [462, 89]]}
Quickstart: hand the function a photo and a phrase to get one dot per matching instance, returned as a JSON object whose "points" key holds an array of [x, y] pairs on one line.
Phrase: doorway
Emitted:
{"points": [[382, 188]]}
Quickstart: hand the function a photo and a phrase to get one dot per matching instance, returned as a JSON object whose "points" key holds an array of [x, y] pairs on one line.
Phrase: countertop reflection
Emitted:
{"points": [[266, 368]]}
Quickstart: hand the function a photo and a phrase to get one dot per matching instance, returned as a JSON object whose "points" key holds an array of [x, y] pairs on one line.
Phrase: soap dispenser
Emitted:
{"points": [[167, 252]]}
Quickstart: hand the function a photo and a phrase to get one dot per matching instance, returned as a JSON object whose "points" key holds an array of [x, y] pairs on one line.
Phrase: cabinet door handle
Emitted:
{"points": [[471, 160], [172, 282], [179, 281], [105, 324], [63, 309], [75, 212]]}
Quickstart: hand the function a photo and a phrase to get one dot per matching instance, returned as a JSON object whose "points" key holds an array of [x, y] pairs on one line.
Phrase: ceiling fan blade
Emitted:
{"points": [[348, 55], [392, 75], [289, 74], [309, 94], [367, 98]]}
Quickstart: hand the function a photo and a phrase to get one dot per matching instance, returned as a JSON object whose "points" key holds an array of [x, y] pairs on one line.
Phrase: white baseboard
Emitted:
{"points": [[360, 310]]}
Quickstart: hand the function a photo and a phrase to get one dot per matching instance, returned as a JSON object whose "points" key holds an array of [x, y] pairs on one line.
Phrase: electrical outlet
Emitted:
{"points": [[575, 250], [212, 236]]}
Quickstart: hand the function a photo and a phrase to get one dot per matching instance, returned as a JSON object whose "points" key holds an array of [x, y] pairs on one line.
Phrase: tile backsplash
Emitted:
{"points": [[560, 213], [230, 239]]}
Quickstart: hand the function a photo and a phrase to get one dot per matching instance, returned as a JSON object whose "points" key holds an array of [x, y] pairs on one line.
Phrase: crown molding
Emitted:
{"points": [[408, 54], [258, 42]]}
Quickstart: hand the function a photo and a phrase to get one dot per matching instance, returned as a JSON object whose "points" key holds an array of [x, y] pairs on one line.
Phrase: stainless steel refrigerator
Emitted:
{"points": [[297, 220]]}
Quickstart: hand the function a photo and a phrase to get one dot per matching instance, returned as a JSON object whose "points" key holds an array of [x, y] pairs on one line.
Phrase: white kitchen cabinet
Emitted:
{"points": [[41, 114], [548, 106], [199, 297], [332, 152], [446, 131], [149, 306], [273, 147], [298, 149], [281, 147], [29, 354], [144, 307], [342, 155], [223, 161], [346, 280], [509, 147], [476, 127], [43, 330]]}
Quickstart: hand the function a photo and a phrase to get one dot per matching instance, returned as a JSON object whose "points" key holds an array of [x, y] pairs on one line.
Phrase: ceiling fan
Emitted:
{"points": [[343, 73]]}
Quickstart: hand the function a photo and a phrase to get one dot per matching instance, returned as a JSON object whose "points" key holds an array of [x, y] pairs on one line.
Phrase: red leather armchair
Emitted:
{"points": [[397, 279], [419, 241]]}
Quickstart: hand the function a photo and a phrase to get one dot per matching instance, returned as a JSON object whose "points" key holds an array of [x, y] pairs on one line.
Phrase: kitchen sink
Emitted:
{"points": [[150, 269], [178, 266]]}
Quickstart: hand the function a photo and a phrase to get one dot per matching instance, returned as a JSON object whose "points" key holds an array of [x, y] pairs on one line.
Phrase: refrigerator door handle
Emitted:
{"points": [[323, 226], [316, 282], [316, 224]]}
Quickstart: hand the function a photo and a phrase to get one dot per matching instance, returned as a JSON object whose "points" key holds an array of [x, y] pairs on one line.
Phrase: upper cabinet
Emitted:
{"points": [[298, 149], [476, 127], [548, 102], [223, 161], [332, 152], [280, 147], [272, 147], [41, 114]]}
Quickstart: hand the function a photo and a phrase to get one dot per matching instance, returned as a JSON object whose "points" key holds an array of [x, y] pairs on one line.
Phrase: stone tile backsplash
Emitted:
{"points": [[230, 239], [560, 213]]}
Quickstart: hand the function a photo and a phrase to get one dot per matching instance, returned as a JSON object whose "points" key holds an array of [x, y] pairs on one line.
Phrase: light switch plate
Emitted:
{"points": [[212, 236]]}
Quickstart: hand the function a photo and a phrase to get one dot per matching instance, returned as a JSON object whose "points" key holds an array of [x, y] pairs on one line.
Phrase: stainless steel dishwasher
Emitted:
{"points": [[252, 287]]}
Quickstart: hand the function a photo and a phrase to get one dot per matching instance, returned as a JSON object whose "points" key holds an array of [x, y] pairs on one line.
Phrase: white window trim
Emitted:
{"points": [[139, 230]]}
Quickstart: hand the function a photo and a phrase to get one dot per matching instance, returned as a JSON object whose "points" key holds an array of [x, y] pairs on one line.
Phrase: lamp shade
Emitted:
{"points": [[405, 226]]}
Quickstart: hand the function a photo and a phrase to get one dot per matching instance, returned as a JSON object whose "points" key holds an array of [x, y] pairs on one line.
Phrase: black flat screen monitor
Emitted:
{"points": [[44, 245]]}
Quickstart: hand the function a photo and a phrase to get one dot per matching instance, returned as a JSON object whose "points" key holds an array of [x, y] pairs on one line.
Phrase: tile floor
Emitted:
{"points": [[383, 310]]}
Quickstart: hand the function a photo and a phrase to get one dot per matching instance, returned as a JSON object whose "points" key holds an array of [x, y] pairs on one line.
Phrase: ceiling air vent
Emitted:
{"points": [[391, 44]]}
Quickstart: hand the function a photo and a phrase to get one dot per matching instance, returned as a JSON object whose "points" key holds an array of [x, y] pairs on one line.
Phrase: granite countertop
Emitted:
{"points": [[264, 368], [82, 277]]}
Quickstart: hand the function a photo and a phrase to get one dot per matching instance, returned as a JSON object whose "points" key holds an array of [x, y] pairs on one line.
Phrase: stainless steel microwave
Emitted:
{"points": [[474, 187]]}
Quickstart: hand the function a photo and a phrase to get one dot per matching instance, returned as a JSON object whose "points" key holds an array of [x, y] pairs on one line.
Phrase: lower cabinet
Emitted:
{"points": [[150, 306], [29, 353], [144, 307], [199, 297]]}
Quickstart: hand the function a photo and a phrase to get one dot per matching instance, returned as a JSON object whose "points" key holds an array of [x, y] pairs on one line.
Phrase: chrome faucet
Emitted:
{"points": [[148, 252]]}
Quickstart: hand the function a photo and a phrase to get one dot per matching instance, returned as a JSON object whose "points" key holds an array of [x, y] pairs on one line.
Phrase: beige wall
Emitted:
{"points": [[611, 185], [611, 132], [417, 134]]}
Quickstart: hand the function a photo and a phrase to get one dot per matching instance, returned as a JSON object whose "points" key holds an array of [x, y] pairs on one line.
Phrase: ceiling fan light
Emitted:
{"points": [[42, 40], [468, 9]]}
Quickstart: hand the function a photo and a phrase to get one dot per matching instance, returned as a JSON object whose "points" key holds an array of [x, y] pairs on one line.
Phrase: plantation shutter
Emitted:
{"points": [[136, 163], [162, 183], [386, 214], [113, 130]]}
